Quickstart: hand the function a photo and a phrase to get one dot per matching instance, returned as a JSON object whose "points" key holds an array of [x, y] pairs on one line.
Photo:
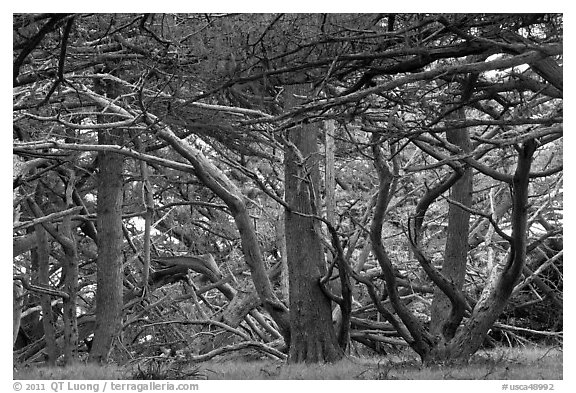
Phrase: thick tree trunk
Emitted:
{"points": [[456, 249], [445, 318], [313, 338], [109, 263]]}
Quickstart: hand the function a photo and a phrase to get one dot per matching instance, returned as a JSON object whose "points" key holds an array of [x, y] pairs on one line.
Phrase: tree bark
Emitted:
{"points": [[70, 273], [17, 304], [456, 249], [65, 237], [41, 253], [281, 245], [313, 338], [109, 262]]}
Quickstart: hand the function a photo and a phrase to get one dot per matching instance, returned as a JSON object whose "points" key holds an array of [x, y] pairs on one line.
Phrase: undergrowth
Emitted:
{"points": [[527, 363]]}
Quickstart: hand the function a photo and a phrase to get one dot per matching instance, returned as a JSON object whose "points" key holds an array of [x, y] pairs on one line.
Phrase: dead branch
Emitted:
{"points": [[503, 326], [236, 347], [36, 288], [200, 322], [47, 218]]}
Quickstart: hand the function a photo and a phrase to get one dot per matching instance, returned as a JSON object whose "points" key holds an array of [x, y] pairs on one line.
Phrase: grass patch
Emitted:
{"points": [[503, 363], [73, 372], [528, 363]]}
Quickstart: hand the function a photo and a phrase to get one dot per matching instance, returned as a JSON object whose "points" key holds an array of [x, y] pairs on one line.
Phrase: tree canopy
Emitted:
{"points": [[421, 154]]}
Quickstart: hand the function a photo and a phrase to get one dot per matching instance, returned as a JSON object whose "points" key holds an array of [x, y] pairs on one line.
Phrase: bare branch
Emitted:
{"points": [[48, 218], [39, 289], [40, 145]]}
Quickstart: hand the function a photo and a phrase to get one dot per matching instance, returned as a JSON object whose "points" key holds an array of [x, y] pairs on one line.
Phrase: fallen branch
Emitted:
{"points": [[201, 322], [376, 337], [503, 326], [527, 280], [236, 347]]}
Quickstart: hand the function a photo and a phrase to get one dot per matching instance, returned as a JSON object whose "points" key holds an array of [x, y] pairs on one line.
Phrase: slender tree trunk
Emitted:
{"points": [[17, 304], [471, 335], [65, 237], [70, 273], [148, 202], [330, 177], [313, 338], [109, 263], [41, 253], [414, 333], [281, 245]]}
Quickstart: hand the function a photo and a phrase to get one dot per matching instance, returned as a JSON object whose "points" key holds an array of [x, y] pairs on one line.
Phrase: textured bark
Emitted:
{"points": [[70, 272], [65, 237], [17, 303], [109, 263], [313, 338], [24, 243], [330, 177], [148, 204], [456, 249], [41, 254], [281, 245]]}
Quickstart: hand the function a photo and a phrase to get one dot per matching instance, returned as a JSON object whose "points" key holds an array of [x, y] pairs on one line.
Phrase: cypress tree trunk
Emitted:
{"points": [[17, 303], [456, 250], [70, 273], [109, 292], [313, 338], [41, 254], [442, 323], [109, 263]]}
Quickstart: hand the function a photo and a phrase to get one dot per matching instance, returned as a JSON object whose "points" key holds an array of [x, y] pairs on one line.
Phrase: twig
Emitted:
{"points": [[482, 214]]}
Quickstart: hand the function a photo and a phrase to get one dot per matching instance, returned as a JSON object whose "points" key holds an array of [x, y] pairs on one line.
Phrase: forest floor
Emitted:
{"points": [[535, 363]]}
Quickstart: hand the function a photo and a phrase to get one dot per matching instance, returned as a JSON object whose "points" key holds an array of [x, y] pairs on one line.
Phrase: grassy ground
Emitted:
{"points": [[504, 363]]}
